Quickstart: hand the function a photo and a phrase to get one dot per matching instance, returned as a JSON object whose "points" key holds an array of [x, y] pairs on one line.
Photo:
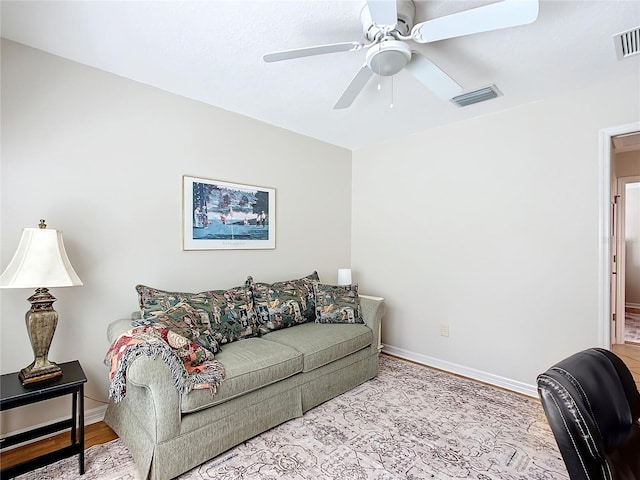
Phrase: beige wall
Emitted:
{"points": [[490, 226], [101, 158]]}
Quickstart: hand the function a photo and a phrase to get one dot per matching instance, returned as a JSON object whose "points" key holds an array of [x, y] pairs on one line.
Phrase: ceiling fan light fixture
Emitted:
{"points": [[477, 96], [388, 57]]}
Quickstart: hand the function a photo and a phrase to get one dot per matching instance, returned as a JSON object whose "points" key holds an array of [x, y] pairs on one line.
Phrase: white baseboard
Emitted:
{"points": [[631, 305], [94, 415], [485, 377]]}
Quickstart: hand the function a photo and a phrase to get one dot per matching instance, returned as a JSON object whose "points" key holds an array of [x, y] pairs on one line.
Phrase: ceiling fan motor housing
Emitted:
{"points": [[406, 12], [388, 57]]}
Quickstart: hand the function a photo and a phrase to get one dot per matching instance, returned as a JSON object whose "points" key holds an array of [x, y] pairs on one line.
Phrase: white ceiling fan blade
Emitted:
{"points": [[310, 51], [384, 13], [354, 88], [504, 14], [432, 76]]}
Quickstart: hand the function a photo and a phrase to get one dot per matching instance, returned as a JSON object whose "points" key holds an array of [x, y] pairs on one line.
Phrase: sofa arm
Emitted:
{"points": [[117, 328], [373, 310], [151, 389], [151, 393]]}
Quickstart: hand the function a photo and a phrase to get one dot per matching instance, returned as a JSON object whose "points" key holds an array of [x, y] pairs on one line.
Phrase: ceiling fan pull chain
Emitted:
{"points": [[391, 106], [378, 70]]}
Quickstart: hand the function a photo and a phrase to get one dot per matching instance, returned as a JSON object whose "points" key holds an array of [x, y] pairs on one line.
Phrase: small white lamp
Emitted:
{"points": [[40, 262], [344, 276]]}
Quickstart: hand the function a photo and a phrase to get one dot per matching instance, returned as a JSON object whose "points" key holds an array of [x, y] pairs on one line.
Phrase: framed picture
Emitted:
{"points": [[221, 215]]}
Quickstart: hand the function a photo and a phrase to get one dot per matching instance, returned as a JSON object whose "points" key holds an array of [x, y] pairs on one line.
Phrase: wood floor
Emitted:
{"points": [[630, 355], [99, 433], [94, 434]]}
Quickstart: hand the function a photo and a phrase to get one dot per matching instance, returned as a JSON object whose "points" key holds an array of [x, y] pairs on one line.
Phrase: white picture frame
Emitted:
{"points": [[221, 215]]}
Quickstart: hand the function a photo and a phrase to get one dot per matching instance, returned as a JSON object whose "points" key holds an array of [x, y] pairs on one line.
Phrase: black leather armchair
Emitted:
{"points": [[593, 406]]}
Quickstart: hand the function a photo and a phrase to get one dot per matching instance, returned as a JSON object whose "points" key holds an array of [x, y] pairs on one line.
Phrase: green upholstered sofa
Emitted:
{"points": [[269, 380]]}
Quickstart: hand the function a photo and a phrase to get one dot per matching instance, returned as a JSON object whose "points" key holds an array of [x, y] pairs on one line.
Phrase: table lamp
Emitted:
{"points": [[344, 276], [40, 262]]}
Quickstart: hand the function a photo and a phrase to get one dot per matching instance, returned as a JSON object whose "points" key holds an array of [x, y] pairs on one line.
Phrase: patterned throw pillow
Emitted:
{"points": [[154, 302], [283, 304], [233, 314], [337, 304], [185, 321], [228, 314]]}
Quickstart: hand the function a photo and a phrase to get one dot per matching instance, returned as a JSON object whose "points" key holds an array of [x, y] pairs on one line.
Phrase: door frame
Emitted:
{"points": [[604, 228]]}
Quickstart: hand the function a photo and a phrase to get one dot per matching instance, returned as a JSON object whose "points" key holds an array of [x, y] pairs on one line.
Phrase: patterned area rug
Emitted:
{"points": [[409, 423], [632, 327]]}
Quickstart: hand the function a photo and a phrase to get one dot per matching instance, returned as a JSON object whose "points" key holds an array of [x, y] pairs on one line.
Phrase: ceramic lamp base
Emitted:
{"points": [[41, 322]]}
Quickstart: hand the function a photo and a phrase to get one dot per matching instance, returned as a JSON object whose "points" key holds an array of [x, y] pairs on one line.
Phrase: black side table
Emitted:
{"points": [[13, 394]]}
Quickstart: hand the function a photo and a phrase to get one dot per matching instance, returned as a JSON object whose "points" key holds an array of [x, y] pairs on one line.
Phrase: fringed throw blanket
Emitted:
{"points": [[192, 366]]}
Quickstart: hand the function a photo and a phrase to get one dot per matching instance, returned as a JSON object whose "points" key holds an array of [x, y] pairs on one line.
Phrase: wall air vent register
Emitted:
{"points": [[480, 95], [627, 43]]}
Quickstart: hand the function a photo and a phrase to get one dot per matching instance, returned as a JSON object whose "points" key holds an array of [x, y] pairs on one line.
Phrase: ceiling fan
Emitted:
{"points": [[388, 26]]}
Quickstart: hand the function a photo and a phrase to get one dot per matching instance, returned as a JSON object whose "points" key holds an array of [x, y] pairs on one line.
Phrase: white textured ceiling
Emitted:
{"points": [[212, 51]]}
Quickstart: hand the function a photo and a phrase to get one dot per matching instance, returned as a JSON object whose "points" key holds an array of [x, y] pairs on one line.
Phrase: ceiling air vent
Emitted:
{"points": [[480, 95], [627, 43]]}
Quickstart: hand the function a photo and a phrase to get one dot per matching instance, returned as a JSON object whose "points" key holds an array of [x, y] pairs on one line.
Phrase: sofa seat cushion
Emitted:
{"points": [[321, 344], [249, 364]]}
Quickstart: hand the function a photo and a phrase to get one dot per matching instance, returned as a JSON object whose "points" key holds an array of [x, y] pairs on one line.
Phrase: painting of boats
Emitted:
{"points": [[222, 215]]}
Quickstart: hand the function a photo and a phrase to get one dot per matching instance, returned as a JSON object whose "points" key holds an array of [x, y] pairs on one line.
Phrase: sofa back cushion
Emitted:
{"points": [[283, 304], [228, 314]]}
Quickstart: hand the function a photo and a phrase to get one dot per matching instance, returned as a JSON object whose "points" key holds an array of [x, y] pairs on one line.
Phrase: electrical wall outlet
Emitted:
{"points": [[444, 330]]}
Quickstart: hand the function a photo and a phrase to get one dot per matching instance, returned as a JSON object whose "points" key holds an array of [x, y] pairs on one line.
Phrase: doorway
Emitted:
{"points": [[612, 141], [624, 239], [627, 250]]}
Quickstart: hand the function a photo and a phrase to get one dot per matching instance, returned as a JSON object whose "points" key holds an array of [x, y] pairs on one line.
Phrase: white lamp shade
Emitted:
{"points": [[40, 261], [344, 276]]}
